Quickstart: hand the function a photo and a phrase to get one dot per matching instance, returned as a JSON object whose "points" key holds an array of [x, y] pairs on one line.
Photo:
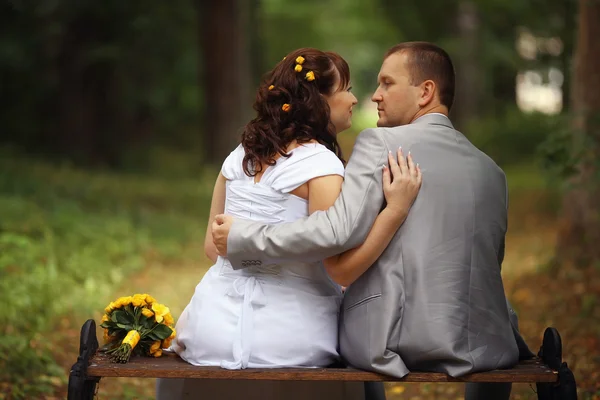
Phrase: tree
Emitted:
{"points": [[579, 234], [90, 120], [93, 82], [469, 93], [225, 75]]}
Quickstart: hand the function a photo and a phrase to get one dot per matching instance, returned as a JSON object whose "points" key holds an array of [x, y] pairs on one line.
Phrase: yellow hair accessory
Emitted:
{"points": [[271, 87], [310, 76], [298, 68], [283, 58], [300, 60], [286, 107]]}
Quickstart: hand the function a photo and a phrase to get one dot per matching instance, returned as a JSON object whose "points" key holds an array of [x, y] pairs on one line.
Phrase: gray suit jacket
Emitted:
{"points": [[434, 300]]}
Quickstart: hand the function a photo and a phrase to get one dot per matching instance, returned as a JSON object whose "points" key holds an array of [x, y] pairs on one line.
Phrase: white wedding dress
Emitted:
{"points": [[267, 316]]}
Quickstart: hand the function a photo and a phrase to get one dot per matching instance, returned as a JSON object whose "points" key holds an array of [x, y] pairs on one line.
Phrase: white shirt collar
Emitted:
{"points": [[434, 113]]}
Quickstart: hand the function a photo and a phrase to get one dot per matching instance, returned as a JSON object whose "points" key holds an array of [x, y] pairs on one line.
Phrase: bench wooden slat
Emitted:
{"points": [[172, 366]]}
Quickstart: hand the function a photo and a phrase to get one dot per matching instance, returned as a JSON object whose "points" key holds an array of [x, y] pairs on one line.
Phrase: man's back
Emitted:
{"points": [[434, 300]]}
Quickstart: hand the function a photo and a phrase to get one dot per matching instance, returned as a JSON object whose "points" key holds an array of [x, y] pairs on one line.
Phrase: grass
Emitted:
{"points": [[68, 238]]}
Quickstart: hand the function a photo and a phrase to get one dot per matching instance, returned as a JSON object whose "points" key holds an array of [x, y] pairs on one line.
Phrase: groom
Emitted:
{"points": [[434, 300]]}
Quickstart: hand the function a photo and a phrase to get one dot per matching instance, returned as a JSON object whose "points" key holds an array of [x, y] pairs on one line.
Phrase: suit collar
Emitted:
{"points": [[434, 119]]}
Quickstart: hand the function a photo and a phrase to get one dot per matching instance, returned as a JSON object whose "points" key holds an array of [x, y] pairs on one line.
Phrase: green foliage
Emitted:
{"points": [[68, 239], [148, 59], [569, 150], [557, 155], [513, 136]]}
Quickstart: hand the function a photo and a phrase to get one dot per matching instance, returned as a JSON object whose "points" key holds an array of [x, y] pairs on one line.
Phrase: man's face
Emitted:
{"points": [[397, 100]]}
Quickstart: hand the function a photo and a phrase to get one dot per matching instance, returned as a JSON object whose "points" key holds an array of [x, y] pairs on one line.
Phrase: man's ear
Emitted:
{"points": [[428, 90]]}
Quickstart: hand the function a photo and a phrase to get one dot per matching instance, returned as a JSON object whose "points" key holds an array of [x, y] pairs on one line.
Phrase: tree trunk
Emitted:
{"points": [[504, 85], [224, 72], [76, 133], [468, 78], [567, 53], [256, 42], [90, 120], [579, 231]]}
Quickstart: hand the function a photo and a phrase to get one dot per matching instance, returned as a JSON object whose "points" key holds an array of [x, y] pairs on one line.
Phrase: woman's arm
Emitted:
{"points": [[400, 191], [217, 206]]}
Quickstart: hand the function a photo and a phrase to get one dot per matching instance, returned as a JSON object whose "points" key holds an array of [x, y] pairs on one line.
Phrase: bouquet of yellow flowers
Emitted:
{"points": [[136, 324]]}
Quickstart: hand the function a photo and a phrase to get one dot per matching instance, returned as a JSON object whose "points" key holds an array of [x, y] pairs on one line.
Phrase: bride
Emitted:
{"points": [[288, 165]]}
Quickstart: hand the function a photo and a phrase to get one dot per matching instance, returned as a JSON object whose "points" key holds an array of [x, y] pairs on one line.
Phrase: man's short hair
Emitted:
{"points": [[426, 61]]}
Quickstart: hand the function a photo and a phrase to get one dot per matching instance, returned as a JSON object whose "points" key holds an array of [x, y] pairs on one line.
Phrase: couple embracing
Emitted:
{"points": [[418, 246]]}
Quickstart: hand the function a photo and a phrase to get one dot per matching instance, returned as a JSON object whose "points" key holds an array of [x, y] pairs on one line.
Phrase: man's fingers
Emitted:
{"points": [[216, 236], [220, 231]]}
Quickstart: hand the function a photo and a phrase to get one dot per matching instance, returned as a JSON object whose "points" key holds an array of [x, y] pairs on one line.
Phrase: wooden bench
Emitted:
{"points": [[553, 378]]}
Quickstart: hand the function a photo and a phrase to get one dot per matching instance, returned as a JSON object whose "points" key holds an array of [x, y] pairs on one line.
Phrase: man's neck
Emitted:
{"points": [[437, 109]]}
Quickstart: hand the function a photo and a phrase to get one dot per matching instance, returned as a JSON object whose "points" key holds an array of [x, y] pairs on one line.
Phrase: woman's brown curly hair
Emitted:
{"points": [[308, 118]]}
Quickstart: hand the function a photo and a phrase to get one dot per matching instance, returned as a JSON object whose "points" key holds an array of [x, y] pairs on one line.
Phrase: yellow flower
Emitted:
{"points": [[159, 311], [271, 87], [110, 307], [168, 319], [157, 353], [149, 299], [155, 346], [310, 76], [105, 318], [298, 68], [119, 301], [138, 300], [123, 301], [167, 342], [146, 312], [300, 60], [286, 107], [107, 337]]}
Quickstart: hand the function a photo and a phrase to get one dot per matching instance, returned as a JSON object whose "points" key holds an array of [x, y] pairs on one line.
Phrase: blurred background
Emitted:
{"points": [[116, 115]]}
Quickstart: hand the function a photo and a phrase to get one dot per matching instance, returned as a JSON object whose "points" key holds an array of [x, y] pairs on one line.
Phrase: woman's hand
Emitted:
{"points": [[401, 183]]}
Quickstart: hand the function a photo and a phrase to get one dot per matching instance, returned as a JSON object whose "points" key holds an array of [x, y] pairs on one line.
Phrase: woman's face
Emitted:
{"points": [[340, 103]]}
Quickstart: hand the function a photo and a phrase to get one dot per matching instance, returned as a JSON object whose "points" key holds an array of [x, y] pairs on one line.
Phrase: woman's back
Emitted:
{"points": [[272, 199], [265, 315]]}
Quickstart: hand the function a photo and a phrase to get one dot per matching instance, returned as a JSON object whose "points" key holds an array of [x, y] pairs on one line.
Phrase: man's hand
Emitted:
{"points": [[220, 232]]}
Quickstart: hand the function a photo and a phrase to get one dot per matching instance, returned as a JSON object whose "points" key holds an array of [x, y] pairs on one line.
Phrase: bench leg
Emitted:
{"points": [[551, 355], [82, 387]]}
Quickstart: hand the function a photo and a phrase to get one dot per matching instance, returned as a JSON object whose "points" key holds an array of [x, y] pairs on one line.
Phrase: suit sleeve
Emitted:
{"points": [[324, 233]]}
